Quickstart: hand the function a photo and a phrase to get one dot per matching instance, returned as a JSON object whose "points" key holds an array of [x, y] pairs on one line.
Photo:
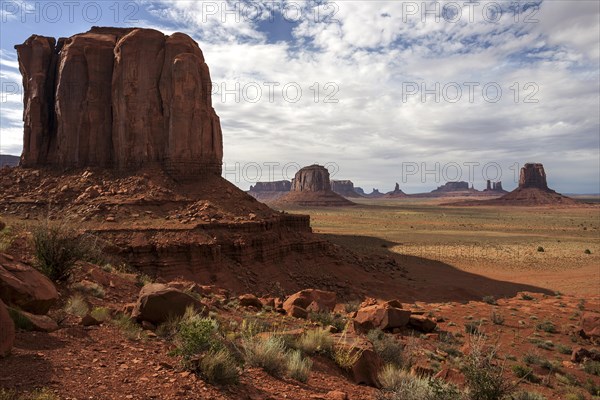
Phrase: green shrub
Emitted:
{"points": [[267, 353], [6, 239], [77, 305], [315, 341], [490, 300], [524, 372], [390, 350], [592, 387], [101, 314], [546, 326], [472, 328], [219, 367], [562, 349], [587, 251], [326, 319], [525, 296], [497, 318], [56, 249], [484, 377], [401, 385], [298, 367], [91, 288], [130, 329], [352, 306], [196, 334], [540, 249], [345, 356], [592, 367]]}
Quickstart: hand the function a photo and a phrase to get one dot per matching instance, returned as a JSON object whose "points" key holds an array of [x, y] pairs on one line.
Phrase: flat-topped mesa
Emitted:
{"points": [[452, 187], [314, 178], [275, 186], [533, 176], [121, 98]]}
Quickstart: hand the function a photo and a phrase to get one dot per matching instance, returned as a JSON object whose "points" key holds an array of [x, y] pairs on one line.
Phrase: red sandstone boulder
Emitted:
{"points": [[33, 322], [312, 300], [7, 331], [158, 302], [368, 364], [422, 323], [250, 300], [380, 316], [25, 287], [590, 326]]}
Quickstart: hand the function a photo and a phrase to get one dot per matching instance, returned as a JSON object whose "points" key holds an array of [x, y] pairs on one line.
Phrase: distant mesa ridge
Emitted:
{"points": [[345, 188], [119, 98]]}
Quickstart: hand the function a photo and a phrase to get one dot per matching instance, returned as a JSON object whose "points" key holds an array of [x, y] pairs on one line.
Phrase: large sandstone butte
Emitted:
{"points": [[311, 187], [533, 190], [123, 98]]}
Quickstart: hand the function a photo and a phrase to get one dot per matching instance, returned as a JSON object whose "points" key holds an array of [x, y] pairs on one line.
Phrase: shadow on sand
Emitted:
{"points": [[431, 280]]}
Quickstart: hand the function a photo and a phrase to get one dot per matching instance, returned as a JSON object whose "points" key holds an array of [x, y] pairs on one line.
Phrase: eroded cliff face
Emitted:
{"points": [[120, 98], [533, 176], [314, 178]]}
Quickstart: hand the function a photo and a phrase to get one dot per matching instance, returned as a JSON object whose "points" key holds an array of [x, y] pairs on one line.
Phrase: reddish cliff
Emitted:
{"points": [[122, 98]]}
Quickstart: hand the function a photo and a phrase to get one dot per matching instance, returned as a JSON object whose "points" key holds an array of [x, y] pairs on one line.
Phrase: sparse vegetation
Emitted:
{"points": [[525, 372], [101, 314], [527, 396], [546, 326], [315, 341], [497, 318], [352, 306], [37, 394], [267, 353], [390, 350], [490, 300], [6, 238], [484, 376], [128, 327], [77, 305], [397, 384], [540, 249], [298, 367], [91, 288], [57, 248], [592, 367], [525, 296], [344, 355], [562, 349], [219, 367], [326, 319]]}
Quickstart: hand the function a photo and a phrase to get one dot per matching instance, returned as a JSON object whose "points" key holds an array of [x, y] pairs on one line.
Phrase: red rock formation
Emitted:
{"points": [[533, 176], [395, 193], [269, 191], [532, 191], [119, 97], [344, 188], [452, 187], [311, 187], [314, 178]]}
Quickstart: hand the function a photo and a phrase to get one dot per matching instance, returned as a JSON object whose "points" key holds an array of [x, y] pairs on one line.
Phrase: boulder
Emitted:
{"points": [[158, 302], [581, 354], [25, 287], [380, 316], [250, 300], [590, 326], [7, 331], [366, 368], [312, 300], [119, 97], [296, 312], [422, 323], [33, 322]]}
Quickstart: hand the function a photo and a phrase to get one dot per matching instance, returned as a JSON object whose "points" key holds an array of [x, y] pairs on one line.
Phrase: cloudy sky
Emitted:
{"points": [[415, 92]]}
